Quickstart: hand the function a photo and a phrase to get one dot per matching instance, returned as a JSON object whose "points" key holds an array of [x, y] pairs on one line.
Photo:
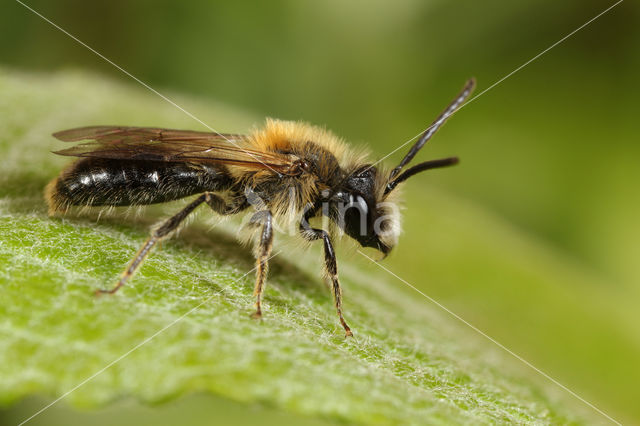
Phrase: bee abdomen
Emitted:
{"points": [[107, 182]]}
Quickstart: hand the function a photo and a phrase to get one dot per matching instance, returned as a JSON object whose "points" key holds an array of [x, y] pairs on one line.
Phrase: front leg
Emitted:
{"points": [[263, 252], [331, 267]]}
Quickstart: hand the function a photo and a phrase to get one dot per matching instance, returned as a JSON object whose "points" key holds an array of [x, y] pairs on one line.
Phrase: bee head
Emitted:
{"points": [[372, 217], [362, 204], [361, 210]]}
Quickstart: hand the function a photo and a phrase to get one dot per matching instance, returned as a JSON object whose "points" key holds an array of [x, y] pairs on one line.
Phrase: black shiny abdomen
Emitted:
{"points": [[107, 182]]}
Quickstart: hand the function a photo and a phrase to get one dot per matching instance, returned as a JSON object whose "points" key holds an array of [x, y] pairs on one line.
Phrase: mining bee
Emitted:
{"points": [[287, 172]]}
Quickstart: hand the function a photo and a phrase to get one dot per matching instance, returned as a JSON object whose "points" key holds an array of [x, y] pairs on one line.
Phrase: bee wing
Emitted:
{"points": [[156, 144]]}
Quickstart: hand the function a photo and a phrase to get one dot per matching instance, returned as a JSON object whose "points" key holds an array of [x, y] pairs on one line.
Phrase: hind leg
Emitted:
{"points": [[164, 230]]}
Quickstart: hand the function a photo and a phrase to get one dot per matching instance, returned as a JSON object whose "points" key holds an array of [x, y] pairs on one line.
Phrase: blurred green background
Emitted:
{"points": [[551, 153]]}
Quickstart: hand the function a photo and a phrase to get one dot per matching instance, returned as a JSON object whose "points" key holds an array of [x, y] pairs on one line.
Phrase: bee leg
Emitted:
{"points": [[263, 251], [157, 235], [331, 267]]}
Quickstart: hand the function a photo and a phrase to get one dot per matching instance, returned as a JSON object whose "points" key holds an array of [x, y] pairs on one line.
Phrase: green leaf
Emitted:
{"points": [[183, 324]]}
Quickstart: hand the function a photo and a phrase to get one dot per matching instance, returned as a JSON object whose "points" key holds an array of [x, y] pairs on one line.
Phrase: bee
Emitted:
{"points": [[287, 171]]}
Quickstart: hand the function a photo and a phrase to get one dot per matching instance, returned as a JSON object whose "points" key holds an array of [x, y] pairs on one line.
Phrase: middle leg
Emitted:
{"points": [[263, 252]]}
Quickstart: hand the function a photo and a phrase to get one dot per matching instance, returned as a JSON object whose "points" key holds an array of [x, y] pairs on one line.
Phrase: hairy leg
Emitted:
{"points": [[331, 267], [263, 251], [164, 230]]}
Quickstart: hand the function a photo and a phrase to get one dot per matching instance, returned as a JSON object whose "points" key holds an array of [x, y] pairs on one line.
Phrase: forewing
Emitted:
{"points": [[156, 144]]}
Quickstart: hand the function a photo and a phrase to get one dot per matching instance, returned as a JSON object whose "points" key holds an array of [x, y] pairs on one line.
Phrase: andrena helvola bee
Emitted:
{"points": [[285, 172]]}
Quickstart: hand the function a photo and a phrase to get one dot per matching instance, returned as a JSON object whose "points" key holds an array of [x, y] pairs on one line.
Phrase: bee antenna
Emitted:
{"points": [[427, 165], [433, 128]]}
